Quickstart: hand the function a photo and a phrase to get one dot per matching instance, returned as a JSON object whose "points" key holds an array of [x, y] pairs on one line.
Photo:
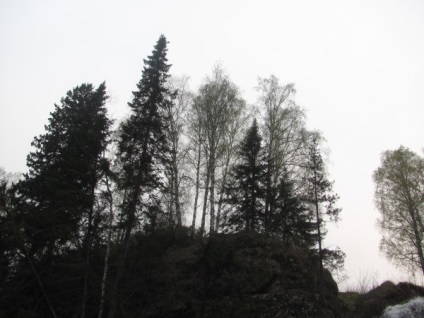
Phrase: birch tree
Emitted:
{"points": [[216, 99], [175, 114], [283, 125], [399, 196], [196, 155]]}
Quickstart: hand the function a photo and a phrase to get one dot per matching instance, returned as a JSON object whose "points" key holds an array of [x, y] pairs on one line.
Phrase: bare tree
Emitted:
{"points": [[229, 151], [196, 155], [283, 125], [217, 98], [175, 113]]}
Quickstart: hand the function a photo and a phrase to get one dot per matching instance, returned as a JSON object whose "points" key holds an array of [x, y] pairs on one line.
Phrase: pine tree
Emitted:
{"points": [[143, 151], [246, 193]]}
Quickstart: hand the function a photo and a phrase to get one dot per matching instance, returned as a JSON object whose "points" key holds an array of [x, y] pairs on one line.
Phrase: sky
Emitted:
{"points": [[358, 69]]}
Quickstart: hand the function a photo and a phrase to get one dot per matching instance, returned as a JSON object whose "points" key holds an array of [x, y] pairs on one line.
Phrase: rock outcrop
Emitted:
{"points": [[241, 275]]}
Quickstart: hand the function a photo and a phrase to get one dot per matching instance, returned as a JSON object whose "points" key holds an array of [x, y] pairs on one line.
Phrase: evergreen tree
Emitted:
{"points": [[57, 195], [143, 151], [8, 229], [246, 193], [292, 221], [320, 196], [56, 200]]}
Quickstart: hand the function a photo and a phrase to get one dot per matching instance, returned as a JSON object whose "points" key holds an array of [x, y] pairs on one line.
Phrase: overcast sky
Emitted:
{"points": [[358, 68]]}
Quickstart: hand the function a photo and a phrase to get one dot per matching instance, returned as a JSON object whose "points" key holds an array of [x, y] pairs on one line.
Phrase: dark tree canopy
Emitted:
{"points": [[143, 153], [57, 192], [292, 220], [142, 146], [246, 191]]}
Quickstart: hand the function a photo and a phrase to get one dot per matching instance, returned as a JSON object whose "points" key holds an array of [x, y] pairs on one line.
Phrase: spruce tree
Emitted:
{"points": [[246, 193], [292, 221], [56, 200], [57, 194], [143, 152], [320, 196]]}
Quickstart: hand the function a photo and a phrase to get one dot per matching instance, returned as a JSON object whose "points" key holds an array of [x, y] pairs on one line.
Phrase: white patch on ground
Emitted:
{"points": [[412, 309]]}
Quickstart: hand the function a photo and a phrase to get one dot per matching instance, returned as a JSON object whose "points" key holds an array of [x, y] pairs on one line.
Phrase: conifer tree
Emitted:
{"points": [[57, 193], [56, 200], [320, 196], [246, 192], [143, 151], [292, 220]]}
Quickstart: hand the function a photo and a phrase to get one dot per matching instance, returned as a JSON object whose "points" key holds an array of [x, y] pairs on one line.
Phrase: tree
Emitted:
{"points": [[246, 192], [292, 221], [320, 196], [229, 151], [8, 228], [216, 101], [399, 196], [143, 151], [175, 114], [284, 135], [57, 198], [196, 154], [57, 195]]}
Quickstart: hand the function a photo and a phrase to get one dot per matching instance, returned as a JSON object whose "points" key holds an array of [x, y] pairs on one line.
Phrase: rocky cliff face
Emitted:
{"points": [[242, 275]]}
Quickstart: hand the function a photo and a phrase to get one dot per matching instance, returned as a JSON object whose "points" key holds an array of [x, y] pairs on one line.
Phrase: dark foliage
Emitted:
{"points": [[292, 221], [143, 153], [57, 195], [142, 146], [246, 192]]}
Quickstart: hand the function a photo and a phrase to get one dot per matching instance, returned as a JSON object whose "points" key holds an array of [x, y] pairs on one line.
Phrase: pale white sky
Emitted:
{"points": [[358, 67]]}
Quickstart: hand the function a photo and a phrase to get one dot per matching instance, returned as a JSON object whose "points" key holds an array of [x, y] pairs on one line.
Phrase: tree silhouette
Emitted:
{"points": [[143, 150], [246, 191]]}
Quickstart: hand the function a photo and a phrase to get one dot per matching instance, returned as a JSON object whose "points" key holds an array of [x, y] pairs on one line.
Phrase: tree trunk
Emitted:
{"points": [[212, 196], [121, 265], [109, 239], [170, 202], [88, 250], [196, 197], [40, 284], [205, 201], [221, 194], [321, 268], [417, 235], [267, 196], [132, 207], [177, 193]]}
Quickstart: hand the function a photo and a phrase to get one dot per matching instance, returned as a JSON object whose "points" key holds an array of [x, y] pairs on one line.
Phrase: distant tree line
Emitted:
{"points": [[202, 162]]}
